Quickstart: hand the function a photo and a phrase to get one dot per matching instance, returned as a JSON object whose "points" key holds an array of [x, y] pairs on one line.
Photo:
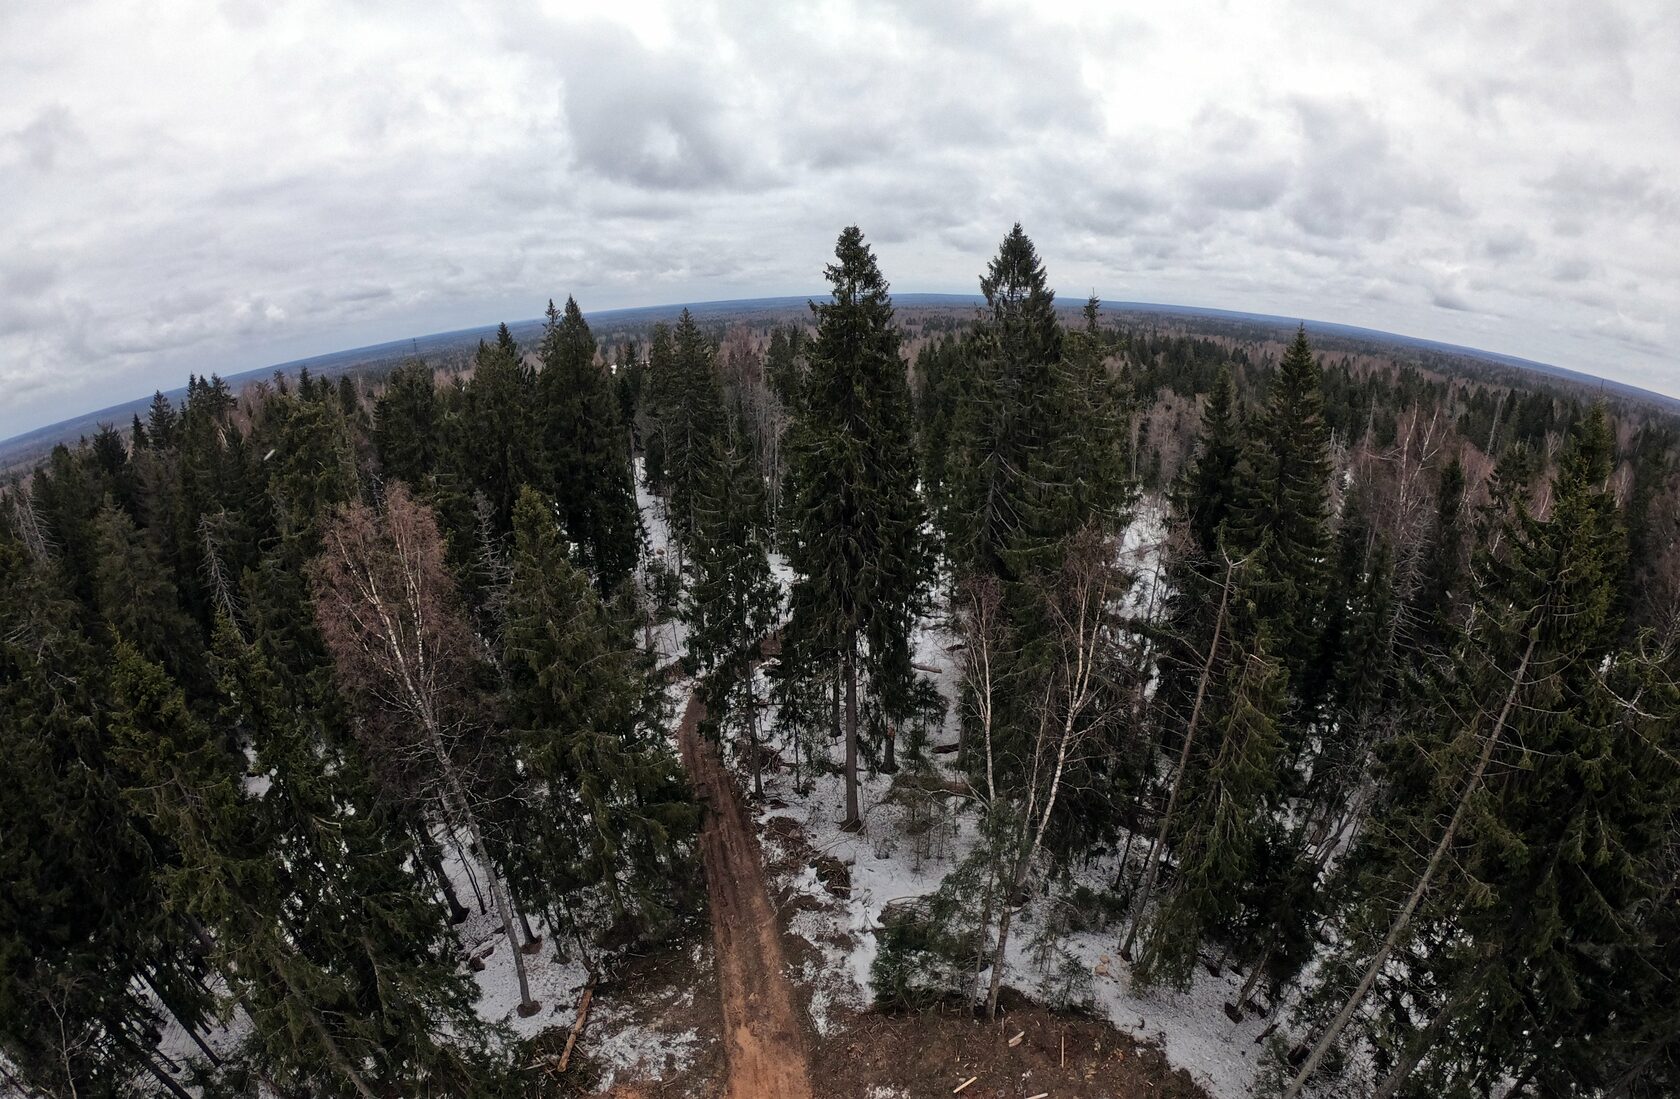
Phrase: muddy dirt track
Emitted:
{"points": [[763, 1039]]}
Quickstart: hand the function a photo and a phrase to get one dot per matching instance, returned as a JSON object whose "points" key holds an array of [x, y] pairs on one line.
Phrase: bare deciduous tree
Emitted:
{"points": [[389, 615]]}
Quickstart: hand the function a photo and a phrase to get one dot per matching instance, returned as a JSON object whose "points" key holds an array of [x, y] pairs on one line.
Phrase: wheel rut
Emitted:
{"points": [[764, 1042]]}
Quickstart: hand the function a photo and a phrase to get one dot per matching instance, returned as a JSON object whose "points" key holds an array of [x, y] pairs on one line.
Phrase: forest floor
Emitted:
{"points": [[780, 1034]]}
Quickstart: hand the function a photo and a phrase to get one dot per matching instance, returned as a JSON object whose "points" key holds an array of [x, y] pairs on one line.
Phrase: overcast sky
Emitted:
{"points": [[218, 186]]}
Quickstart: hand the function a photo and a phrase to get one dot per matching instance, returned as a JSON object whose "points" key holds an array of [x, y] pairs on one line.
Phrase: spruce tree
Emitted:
{"points": [[586, 449], [1518, 763], [501, 453], [406, 427], [690, 409], [735, 602], [610, 813], [1223, 832], [1282, 507], [857, 548]]}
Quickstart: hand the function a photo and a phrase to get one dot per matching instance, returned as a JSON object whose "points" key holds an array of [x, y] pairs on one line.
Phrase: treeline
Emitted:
{"points": [[267, 666], [1383, 711]]}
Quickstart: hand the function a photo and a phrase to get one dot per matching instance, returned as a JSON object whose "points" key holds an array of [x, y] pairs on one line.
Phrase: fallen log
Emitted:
{"points": [[577, 1027]]}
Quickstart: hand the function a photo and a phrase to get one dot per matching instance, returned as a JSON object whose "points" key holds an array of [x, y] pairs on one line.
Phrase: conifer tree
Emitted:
{"points": [[1537, 856], [501, 453], [81, 921], [1003, 514], [406, 424], [857, 549], [690, 410], [297, 975], [610, 811], [1282, 507], [585, 448], [735, 602], [137, 596], [1223, 832]]}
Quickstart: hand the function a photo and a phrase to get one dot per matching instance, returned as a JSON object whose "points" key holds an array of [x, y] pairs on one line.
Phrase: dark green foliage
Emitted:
{"points": [[406, 427], [689, 410], [735, 603], [1281, 510], [586, 449], [1222, 840], [857, 548], [499, 451], [605, 808]]}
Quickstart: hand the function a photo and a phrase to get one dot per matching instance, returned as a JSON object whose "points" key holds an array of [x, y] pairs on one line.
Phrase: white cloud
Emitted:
{"points": [[205, 186]]}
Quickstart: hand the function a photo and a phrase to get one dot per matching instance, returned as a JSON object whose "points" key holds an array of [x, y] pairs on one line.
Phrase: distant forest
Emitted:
{"points": [[1387, 714]]}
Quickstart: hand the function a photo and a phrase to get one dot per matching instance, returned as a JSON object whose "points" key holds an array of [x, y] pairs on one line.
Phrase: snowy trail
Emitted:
{"points": [[763, 1039]]}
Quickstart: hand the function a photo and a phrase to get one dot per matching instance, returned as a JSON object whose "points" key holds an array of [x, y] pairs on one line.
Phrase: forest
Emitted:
{"points": [[1348, 680]]}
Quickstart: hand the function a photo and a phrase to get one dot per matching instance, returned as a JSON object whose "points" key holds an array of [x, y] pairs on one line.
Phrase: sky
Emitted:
{"points": [[189, 186]]}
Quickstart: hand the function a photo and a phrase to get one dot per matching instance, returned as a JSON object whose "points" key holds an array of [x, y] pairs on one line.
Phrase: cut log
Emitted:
{"points": [[964, 1084], [577, 1027], [1040, 1095], [928, 668], [1015, 1041]]}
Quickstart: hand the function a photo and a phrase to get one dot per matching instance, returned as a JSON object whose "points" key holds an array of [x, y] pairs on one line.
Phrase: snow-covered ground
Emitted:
{"points": [[1191, 1027], [887, 864]]}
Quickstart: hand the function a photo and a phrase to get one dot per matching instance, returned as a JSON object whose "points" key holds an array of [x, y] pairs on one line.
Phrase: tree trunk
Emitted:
{"points": [[985, 929], [335, 1054], [466, 863], [169, 1082], [498, 894], [434, 862], [1255, 974], [1421, 1043], [752, 735], [1141, 905], [854, 820], [1404, 918], [997, 954]]}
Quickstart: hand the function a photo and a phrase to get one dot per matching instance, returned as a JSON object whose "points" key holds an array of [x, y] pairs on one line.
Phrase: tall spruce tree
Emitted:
{"points": [[735, 602], [586, 449], [1282, 507], [611, 813], [857, 550], [501, 451], [690, 411]]}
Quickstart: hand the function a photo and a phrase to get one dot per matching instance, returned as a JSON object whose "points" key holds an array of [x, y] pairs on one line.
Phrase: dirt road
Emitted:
{"points": [[763, 1039]]}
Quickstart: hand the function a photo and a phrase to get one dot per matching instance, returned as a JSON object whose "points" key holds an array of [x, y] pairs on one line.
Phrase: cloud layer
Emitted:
{"points": [[203, 186]]}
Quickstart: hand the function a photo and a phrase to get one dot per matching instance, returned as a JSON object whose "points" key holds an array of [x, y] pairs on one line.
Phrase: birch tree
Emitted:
{"points": [[387, 610]]}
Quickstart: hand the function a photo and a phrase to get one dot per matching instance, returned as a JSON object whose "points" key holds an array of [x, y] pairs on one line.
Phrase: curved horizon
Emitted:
{"points": [[96, 415]]}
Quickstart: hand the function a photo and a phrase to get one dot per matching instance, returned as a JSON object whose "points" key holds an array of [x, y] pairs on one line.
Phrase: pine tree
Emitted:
{"points": [[857, 550], [586, 449]]}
